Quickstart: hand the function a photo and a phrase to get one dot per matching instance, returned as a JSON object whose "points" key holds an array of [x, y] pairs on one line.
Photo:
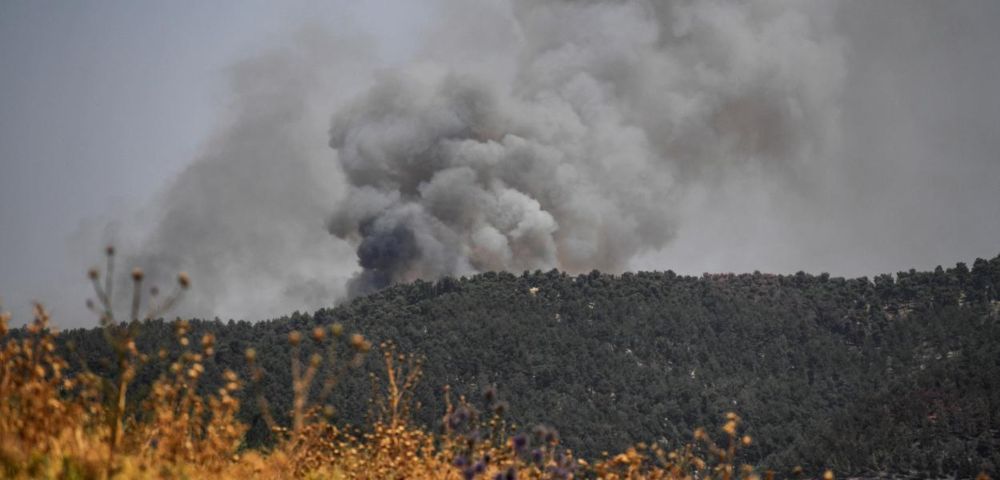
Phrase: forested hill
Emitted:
{"points": [[899, 373]]}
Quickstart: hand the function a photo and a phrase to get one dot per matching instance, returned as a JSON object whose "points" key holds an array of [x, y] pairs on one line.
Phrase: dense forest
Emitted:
{"points": [[900, 373]]}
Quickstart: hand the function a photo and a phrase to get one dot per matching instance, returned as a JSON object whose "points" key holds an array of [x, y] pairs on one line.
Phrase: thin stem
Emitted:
{"points": [[108, 282], [136, 297]]}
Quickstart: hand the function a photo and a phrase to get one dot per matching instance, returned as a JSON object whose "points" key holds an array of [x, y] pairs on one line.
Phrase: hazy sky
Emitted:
{"points": [[104, 104]]}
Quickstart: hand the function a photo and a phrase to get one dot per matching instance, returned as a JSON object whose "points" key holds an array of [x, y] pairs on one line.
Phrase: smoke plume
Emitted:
{"points": [[574, 158], [527, 135]]}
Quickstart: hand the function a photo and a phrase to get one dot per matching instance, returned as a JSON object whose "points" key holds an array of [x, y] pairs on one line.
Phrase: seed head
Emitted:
{"points": [[137, 274], [828, 475], [337, 329], [93, 274], [109, 250], [746, 440], [183, 280], [250, 354], [294, 337], [318, 334]]}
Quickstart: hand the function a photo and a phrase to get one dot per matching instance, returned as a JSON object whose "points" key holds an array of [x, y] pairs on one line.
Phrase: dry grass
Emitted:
{"points": [[53, 425]]}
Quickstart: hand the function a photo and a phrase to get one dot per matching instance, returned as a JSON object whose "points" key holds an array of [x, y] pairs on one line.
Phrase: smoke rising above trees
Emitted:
{"points": [[573, 160], [531, 135]]}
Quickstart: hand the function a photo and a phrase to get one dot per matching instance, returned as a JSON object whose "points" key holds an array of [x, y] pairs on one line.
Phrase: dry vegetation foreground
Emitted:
{"points": [[55, 425], [58, 419]]}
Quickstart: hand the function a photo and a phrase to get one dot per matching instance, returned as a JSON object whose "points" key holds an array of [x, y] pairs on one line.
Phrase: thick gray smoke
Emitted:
{"points": [[572, 159], [577, 135]]}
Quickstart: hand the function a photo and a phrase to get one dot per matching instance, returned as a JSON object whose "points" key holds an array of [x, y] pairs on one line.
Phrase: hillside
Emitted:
{"points": [[899, 374]]}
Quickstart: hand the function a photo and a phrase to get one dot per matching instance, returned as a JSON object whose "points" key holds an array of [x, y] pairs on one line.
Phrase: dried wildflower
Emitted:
{"points": [[294, 338], [730, 428], [828, 475], [359, 343], [318, 334], [336, 330], [93, 274], [137, 274], [183, 280], [250, 354], [746, 440]]}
